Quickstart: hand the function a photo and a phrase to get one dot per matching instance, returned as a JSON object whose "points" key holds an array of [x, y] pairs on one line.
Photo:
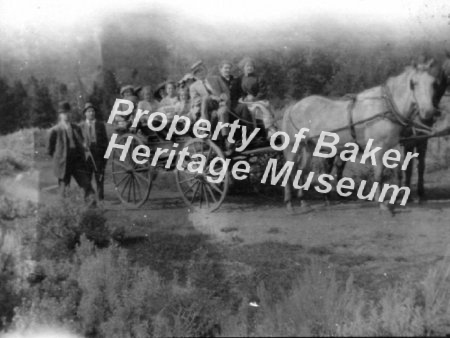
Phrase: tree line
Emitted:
{"points": [[33, 103], [291, 74]]}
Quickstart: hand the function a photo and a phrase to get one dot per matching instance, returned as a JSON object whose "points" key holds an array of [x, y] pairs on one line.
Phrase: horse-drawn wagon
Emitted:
{"points": [[133, 181]]}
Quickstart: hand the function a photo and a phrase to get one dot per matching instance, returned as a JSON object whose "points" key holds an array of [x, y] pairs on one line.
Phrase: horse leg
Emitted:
{"points": [[340, 166], [328, 168], [421, 150], [409, 168], [306, 169], [289, 156], [378, 177]]}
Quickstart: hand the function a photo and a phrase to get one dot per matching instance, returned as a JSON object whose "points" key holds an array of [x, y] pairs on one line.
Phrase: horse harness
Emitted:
{"points": [[392, 114]]}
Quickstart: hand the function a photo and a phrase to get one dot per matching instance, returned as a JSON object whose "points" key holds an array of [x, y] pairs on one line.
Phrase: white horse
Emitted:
{"points": [[379, 113]]}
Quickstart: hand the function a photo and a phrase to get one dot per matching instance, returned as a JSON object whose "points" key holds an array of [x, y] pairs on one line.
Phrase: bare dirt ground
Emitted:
{"points": [[353, 235]]}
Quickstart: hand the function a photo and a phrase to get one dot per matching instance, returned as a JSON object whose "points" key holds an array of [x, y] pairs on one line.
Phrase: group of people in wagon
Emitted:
{"points": [[77, 149], [216, 98]]}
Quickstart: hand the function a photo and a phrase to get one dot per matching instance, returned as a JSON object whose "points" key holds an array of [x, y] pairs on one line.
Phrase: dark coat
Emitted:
{"points": [[254, 85], [58, 148], [228, 89], [99, 148]]}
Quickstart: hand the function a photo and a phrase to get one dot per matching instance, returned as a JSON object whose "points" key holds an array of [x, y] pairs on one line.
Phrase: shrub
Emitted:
{"points": [[60, 226], [9, 298], [13, 208]]}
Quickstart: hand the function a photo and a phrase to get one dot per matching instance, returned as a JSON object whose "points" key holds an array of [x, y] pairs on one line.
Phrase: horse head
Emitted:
{"points": [[424, 86]]}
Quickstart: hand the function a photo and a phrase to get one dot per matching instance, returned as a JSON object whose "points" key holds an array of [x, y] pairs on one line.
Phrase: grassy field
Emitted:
{"points": [[155, 271]]}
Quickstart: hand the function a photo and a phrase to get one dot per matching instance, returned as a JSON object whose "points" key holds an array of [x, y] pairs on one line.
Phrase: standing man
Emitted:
{"points": [[96, 142], [227, 88], [66, 146]]}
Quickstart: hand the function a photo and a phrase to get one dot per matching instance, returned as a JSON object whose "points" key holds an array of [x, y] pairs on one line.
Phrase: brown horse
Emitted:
{"points": [[379, 113]]}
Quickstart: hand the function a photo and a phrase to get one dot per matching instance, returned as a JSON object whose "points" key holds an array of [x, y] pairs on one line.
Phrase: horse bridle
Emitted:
{"points": [[410, 121]]}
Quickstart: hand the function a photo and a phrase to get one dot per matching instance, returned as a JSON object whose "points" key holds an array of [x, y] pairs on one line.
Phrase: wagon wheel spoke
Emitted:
{"points": [[216, 188], [132, 180], [195, 192], [119, 172], [190, 187], [129, 189], [209, 154], [121, 180], [211, 193], [141, 169], [206, 195], [129, 159], [187, 179], [134, 189], [138, 190], [200, 191], [217, 167], [125, 185], [122, 164], [143, 179]]}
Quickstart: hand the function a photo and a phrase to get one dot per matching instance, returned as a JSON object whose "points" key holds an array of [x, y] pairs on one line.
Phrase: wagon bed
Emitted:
{"points": [[133, 181]]}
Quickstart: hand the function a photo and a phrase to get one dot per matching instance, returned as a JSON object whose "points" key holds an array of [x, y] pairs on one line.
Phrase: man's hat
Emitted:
{"points": [[196, 66], [64, 107], [125, 88], [187, 77], [137, 89], [156, 93], [87, 106]]}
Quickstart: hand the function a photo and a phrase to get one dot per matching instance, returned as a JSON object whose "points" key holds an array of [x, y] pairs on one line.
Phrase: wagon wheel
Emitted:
{"points": [[258, 164], [196, 191], [132, 181]]}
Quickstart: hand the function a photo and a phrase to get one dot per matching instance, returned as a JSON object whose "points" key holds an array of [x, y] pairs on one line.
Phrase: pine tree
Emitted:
{"points": [[20, 109], [6, 124], [97, 98], [42, 112], [111, 88]]}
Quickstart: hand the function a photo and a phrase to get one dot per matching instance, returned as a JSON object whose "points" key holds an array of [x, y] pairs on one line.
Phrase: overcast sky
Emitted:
{"points": [[32, 31], [53, 15]]}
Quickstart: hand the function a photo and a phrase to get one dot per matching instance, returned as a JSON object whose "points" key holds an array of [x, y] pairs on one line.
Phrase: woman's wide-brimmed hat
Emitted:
{"points": [[127, 87], [162, 85], [187, 77]]}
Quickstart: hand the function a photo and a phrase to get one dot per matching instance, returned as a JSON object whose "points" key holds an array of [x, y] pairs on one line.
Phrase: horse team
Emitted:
{"points": [[404, 105]]}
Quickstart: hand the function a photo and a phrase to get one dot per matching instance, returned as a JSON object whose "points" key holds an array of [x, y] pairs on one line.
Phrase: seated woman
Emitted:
{"points": [[127, 92], [168, 103], [183, 106], [171, 97], [147, 103], [254, 95]]}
